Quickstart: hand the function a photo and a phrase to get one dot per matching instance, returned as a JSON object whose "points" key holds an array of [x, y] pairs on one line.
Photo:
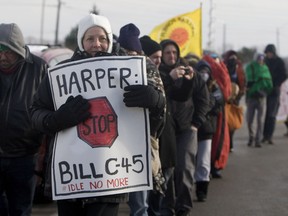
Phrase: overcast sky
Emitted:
{"points": [[249, 23]]}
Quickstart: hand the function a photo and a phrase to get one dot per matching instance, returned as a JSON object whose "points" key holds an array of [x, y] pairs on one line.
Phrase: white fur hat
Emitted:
{"points": [[94, 20]]}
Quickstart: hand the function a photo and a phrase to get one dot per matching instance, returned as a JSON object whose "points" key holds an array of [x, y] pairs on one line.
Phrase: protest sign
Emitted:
{"points": [[283, 108], [110, 152]]}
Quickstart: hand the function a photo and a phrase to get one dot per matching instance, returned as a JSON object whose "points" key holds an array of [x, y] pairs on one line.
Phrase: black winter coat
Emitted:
{"points": [[17, 138], [277, 70], [187, 105], [193, 110], [208, 128]]}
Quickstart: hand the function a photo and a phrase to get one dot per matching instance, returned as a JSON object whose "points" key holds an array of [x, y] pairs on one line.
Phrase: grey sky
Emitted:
{"points": [[250, 23]]}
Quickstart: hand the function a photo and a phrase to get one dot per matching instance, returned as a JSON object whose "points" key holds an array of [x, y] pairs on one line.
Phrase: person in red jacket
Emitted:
{"points": [[221, 138]]}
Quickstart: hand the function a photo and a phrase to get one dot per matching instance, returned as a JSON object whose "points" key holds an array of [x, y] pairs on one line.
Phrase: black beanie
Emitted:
{"points": [[270, 48], [129, 38], [149, 46]]}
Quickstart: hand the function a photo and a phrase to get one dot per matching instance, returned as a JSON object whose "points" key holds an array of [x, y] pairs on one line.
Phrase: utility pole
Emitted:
{"points": [[57, 21], [209, 43], [278, 40], [278, 29], [224, 38], [42, 22]]}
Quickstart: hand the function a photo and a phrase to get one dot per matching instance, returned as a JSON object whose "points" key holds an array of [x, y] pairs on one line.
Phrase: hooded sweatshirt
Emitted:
{"points": [[190, 102], [17, 138]]}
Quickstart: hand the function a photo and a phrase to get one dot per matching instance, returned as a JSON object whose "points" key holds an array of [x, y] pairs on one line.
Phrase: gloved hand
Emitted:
{"points": [[217, 94], [143, 96], [74, 111]]}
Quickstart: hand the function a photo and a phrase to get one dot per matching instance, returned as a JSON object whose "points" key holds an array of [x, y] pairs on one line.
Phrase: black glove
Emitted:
{"points": [[74, 111], [143, 96]]}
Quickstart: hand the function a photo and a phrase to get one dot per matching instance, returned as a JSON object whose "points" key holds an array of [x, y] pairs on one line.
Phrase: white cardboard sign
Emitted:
{"points": [[110, 152]]}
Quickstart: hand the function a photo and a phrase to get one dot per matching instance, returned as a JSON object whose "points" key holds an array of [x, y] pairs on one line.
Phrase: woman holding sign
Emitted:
{"points": [[94, 39]]}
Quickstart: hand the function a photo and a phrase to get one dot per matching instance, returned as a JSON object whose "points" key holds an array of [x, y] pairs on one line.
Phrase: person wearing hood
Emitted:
{"points": [[94, 39], [206, 131], [188, 98], [221, 138], [20, 76], [278, 72]]}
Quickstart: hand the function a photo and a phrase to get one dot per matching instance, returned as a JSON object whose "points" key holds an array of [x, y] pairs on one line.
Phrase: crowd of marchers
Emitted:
{"points": [[194, 110]]}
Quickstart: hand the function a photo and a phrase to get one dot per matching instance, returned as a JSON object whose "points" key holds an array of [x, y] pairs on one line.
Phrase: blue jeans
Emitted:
{"points": [[203, 160], [17, 181], [138, 203]]}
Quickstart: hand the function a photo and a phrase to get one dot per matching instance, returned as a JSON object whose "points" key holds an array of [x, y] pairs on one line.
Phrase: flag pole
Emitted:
{"points": [[200, 24]]}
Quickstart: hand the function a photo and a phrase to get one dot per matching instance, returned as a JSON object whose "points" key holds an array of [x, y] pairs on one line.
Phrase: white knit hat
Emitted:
{"points": [[90, 21]]}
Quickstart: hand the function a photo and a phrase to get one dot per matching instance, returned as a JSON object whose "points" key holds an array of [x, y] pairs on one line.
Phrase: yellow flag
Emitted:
{"points": [[184, 29]]}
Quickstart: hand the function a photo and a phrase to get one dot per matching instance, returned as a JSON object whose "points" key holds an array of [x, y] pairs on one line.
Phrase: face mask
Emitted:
{"points": [[204, 76], [232, 62]]}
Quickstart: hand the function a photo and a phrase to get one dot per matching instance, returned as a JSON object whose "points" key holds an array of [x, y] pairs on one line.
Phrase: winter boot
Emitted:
{"points": [[202, 190]]}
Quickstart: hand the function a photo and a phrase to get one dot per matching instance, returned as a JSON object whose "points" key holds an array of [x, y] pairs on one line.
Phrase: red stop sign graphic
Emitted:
{"points": [[101, 129]]}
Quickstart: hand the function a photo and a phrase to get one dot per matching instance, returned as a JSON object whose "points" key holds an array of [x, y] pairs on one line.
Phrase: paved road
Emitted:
{"points": [[254, 183]]}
